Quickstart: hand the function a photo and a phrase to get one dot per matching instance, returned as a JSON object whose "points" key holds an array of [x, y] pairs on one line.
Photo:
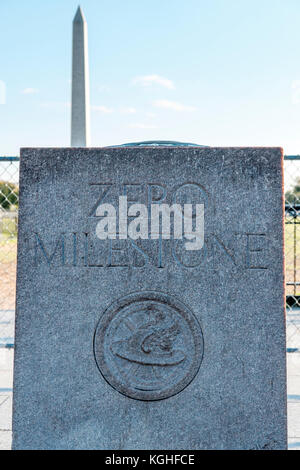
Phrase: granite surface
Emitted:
{"points": [[141, 344]]}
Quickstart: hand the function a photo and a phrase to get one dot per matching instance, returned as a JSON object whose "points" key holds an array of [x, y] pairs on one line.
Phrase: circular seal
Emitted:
{"points": [[148, 346]]}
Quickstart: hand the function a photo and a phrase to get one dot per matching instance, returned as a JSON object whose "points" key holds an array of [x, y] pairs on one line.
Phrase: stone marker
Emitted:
{"points": [[142, 343]]}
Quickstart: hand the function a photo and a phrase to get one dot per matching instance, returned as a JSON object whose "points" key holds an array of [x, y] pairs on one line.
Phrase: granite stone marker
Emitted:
{"points": [[140, 343]]}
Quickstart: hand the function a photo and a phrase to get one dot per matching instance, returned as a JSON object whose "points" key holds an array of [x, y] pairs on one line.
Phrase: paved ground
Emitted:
{"points": [[6, 370], [293, 364]]}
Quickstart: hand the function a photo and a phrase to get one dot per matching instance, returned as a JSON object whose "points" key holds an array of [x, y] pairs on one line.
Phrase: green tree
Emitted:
{"points": [[9, 195]]}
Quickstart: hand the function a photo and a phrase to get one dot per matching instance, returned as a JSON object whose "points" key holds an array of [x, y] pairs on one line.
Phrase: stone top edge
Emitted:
{"points": [[85, 149]]}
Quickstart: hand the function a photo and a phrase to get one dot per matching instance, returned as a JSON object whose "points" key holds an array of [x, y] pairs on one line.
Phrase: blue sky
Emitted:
{"points": [[214, 72]]}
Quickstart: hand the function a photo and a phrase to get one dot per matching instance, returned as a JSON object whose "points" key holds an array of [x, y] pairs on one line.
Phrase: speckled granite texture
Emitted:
{"points": [[124, 344]]}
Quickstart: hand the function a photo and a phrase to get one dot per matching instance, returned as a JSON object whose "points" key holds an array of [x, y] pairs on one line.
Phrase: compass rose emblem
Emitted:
{"points": [[148, 346]]}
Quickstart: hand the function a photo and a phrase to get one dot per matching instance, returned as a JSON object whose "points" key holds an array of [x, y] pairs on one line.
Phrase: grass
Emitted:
{"points": [[8, 248], [292, 242], [8, 226], [8, 258]]}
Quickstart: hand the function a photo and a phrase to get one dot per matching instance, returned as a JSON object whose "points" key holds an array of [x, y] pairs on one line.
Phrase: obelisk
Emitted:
{"points": [[80, 119]]}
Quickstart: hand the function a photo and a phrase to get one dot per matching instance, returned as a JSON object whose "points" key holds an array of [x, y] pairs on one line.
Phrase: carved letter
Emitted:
{"points": [[256, 243], [100, 199], [49, 258]]}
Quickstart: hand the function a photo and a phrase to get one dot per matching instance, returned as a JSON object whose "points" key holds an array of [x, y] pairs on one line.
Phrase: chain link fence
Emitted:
{"points": [[9, 198], [9, 195], [292, 250]]}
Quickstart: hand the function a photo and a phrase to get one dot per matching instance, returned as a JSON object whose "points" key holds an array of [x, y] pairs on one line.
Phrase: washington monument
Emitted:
{"points": [[80, 119]]}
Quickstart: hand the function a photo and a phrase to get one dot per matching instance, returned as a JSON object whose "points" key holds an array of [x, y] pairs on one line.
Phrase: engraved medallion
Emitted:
{"points": [[148, 346]]}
